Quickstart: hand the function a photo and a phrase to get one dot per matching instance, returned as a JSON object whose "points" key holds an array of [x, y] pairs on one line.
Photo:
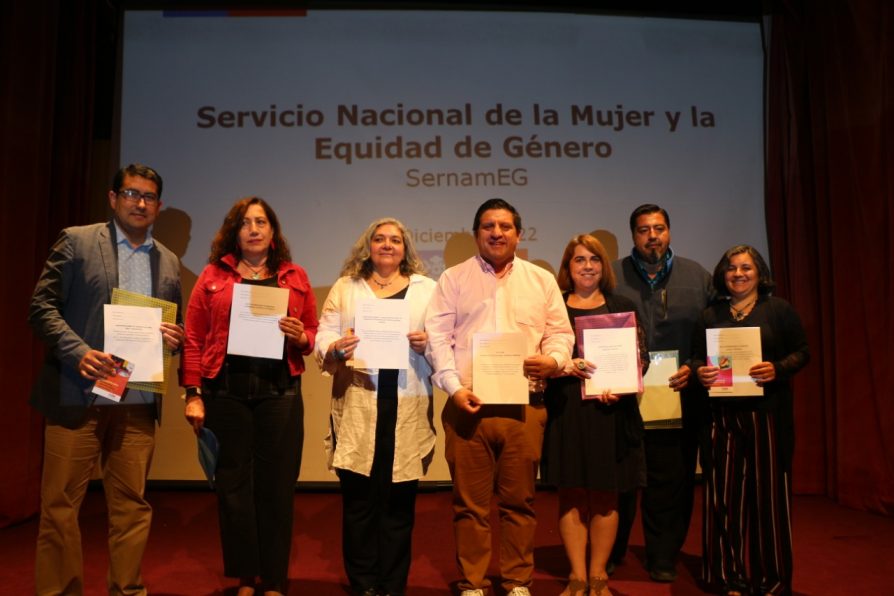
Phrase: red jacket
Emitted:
{"points": [[208, 318]]}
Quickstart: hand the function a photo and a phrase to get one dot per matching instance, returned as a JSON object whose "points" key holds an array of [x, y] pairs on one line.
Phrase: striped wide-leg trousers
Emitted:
{"points": [[747, 505]]}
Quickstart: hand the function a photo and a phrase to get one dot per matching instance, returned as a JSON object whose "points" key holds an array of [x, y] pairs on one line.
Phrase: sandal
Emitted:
{"points": [[575, 587], [598, 586]]}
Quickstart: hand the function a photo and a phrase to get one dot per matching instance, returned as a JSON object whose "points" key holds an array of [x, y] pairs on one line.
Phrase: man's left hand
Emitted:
{"points": [[680, 379], [172, 335], [540, 367]]}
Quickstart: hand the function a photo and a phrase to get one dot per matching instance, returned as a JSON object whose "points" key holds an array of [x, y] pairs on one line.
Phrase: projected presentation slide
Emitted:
{"points": [[337, 118]]}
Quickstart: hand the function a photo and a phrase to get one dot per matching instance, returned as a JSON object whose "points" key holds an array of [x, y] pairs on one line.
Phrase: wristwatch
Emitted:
{"points": [[193, 392]]}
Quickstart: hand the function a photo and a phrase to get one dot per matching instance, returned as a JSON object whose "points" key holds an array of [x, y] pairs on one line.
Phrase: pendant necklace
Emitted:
{"points": [[381, 285], [255, 273], [739, 313]]}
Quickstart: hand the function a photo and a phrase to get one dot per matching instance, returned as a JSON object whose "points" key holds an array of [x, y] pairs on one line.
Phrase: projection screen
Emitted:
{"points": [[341, 117]]}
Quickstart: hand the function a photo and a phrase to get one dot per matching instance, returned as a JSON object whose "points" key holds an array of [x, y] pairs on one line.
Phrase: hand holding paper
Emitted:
{"points": [[293, 329], [762, 373], [680, 379], [580, 368], [96, 365], [539, 366], [172, 334], [417, 340]]}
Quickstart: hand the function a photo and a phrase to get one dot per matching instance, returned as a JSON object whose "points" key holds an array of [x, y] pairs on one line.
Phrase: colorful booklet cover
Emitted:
{"points": [[734, 350], [113, 386]]}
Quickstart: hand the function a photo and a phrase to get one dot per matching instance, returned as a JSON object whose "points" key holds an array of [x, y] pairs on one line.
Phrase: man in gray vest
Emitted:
{"points": [[83, 429], [670, 293]]}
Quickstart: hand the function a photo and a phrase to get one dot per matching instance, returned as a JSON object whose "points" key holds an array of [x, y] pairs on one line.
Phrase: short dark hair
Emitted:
{"points": [[136, 169], [227, 239], [765, 283], [496, 203], [646, 210]]}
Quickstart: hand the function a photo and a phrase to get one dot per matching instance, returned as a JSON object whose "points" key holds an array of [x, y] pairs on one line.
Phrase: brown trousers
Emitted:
{"points": [[497, 448], [122, 440]]}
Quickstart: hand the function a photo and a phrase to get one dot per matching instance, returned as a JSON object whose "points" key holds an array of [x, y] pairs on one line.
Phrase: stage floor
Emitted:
{"points": [[836, 549]]}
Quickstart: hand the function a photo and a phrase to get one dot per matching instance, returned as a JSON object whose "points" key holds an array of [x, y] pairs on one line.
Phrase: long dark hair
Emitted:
{"points": [[227, 239]]}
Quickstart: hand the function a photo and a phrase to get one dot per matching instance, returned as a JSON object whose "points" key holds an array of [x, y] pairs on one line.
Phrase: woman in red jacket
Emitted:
{"points": [[252, 404]]}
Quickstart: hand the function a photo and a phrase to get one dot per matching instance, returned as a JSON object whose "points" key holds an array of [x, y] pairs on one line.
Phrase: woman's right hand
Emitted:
{"points": [[580, 368], [707, 375], [195, 413], [343, 348]]}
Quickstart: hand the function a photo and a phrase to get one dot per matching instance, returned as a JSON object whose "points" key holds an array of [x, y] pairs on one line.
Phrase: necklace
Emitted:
{"points": [[381, 285], [740, 313], [255, 272]]}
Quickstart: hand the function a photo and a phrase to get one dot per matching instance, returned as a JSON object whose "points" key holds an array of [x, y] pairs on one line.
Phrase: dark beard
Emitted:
{"points": [[652, 257]]}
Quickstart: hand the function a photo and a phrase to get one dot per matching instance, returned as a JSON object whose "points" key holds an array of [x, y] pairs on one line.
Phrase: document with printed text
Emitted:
{"points": [[254, 321], [734, 350], [134, 334], [382, 326], [498, 375]]}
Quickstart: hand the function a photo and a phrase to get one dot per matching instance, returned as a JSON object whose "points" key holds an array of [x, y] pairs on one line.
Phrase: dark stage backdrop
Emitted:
{"points": [[830, 180], [830, 218]]}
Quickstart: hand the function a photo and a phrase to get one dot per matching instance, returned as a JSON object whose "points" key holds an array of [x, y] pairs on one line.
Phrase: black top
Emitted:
{"points": [[783, 343], [388, 376]]}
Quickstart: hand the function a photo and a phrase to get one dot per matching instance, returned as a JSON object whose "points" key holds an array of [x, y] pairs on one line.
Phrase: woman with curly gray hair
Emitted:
{"points": [[381, 433]]}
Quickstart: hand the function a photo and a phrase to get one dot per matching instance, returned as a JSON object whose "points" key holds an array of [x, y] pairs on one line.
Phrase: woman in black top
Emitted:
{"points": [[748, 487], [592, 448]]}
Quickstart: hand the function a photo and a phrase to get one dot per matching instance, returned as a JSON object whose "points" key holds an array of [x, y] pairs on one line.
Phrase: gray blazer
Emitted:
{"points": [[66, 312]]}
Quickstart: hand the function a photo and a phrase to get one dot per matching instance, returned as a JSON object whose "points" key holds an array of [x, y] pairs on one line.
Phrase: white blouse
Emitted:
{"points": [[350, 442]]}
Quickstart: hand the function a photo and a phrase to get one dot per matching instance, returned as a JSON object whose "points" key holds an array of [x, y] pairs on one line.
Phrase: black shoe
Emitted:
{"points": [[611, 567], [666, 576]]}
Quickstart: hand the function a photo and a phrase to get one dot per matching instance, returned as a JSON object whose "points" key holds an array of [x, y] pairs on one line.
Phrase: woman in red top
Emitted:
{"points": [[252, 404]]}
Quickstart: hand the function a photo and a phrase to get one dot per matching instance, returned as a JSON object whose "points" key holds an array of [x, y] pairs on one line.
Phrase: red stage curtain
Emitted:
{"points": [[46, 101], [830, 185], [830, 180]]}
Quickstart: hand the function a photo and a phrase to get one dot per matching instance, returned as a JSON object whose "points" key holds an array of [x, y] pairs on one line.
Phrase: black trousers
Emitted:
{"points": [[261, 439], [378, 514], [666, 499]]}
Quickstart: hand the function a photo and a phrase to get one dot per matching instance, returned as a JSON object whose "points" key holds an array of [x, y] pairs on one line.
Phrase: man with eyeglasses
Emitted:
{"points": [[83, 429]]}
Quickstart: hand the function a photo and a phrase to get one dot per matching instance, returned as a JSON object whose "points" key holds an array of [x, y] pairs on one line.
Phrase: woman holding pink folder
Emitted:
{"points": [[592, 448]]}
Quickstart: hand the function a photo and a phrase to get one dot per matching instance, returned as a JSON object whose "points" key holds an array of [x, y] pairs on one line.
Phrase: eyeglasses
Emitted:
{"points": [[131, 195]]}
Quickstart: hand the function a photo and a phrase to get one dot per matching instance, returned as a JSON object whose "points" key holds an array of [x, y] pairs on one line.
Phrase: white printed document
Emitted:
{"points": [[498, 375], [734, 350], [134, 334], [254, 321], [382, 326], [614, 352]]}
